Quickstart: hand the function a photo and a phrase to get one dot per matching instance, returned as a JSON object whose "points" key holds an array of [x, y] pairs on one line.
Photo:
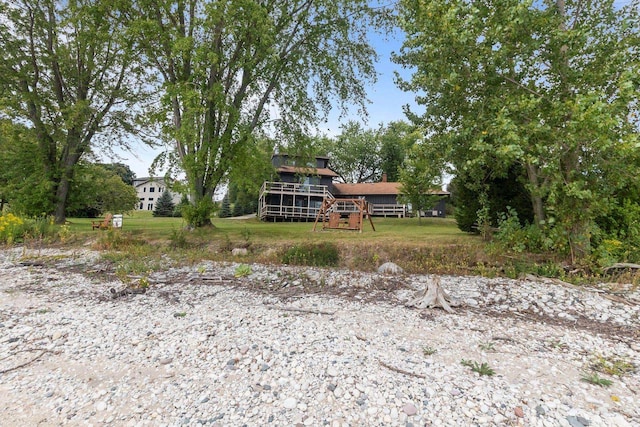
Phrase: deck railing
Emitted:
{"points": [[399, 211], [295, 189]]}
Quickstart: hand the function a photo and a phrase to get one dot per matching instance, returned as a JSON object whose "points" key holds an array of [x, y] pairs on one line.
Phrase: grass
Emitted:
{"points": [[433, 245], [596, 380], [480, 368]]}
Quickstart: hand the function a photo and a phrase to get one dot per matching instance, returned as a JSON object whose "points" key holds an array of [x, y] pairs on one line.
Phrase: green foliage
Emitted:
{"points": [[319, 255], [242, 270], [481, 368], [595, 379], [552, 89], [396, 139], [502, 194], [429, 351], [225, 209], [612, 365], [178, 238], [96, 190], [487, 346], [122, 170], [67, 68], [164, 205], [14, 229], [248, 67], [354, 153], [421, 176], [198, 215], [23, 182]]}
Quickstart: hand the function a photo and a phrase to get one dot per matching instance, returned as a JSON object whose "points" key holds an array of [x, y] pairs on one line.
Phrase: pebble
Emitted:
{"points": [[241, 357]]}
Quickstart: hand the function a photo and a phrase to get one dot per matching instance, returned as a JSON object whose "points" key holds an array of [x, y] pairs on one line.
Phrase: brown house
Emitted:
{"points": [[300, 188]]}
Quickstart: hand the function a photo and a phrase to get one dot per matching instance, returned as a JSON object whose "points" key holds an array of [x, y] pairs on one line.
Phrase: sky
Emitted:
{"points": [[386, 105]]}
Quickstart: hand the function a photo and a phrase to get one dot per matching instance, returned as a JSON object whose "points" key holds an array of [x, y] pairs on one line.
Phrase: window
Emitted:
{"points": [[152, 189], [150, 207], [151, 199], [144, 189], [141, 206]]}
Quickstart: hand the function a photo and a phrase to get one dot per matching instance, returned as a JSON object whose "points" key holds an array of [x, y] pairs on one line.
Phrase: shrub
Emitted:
{"points": [[318, 255], [12, 228]]}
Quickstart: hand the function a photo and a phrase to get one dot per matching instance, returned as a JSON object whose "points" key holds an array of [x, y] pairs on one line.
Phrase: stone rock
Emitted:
{"points": [[289, 403], [410, 409], [390, 268], [239, 252], [519, 412], [166, 360]]}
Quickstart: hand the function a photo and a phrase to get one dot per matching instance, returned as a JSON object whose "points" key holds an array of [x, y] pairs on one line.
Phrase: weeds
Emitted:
{"points": [[596, 380], [486, 346], [612, 366], [319, 255], [242, 270], [429, 351], [481, 368]]}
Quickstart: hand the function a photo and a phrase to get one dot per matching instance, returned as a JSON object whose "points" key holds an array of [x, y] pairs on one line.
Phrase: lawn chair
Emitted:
{"points": [[104, 224]]}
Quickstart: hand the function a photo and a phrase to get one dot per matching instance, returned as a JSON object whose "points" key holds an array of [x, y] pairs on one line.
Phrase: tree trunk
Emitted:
{"points": [[432, 296], [536, 199]]}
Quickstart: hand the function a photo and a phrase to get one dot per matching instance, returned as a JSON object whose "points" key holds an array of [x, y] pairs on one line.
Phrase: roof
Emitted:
{"points": [[307, 171], [374, 188]]}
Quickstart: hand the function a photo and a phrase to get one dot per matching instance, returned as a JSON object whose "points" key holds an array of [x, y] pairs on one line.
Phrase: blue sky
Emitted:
{"points": [[386, 105]]}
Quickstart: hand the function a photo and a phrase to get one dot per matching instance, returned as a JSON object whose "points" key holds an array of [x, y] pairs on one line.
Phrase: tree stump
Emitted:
{"points": [[433, 296]]}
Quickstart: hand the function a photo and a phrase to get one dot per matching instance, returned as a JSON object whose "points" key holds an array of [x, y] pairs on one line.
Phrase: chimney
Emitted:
{"points": [[384, 177]]}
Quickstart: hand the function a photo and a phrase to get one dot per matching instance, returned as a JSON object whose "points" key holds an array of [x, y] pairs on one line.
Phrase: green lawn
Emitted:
{"points": [[389, 230]]}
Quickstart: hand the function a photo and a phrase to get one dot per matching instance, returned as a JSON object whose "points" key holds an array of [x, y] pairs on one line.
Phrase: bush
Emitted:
{"points": [[14, 229], [317, 255], [200, 214]]}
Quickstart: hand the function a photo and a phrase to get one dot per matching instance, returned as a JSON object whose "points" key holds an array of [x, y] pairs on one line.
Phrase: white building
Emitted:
{"points": [[149, 191]]}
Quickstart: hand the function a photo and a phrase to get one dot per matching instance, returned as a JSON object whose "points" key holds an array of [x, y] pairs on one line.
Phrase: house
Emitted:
{"points": [[301, 187], [149, 191], [299, 190]]}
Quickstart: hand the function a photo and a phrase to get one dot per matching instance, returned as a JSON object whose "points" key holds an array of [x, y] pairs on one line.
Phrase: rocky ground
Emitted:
{"points": [[288, 346]]}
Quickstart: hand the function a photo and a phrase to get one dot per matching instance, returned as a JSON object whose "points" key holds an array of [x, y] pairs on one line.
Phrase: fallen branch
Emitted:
{"points": [[22, 365], [301, 310], [115, 293], [401, 371]]}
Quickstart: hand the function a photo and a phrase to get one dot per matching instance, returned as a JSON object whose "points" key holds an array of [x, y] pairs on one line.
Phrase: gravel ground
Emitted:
{"points": [[289, 346]]}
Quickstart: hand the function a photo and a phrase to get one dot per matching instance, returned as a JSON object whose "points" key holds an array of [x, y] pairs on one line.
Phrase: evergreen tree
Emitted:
{"points": [[225, 210], [164, 205]]}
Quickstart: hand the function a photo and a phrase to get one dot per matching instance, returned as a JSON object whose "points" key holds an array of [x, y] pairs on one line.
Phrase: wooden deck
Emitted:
{"points": [[291, 201]]}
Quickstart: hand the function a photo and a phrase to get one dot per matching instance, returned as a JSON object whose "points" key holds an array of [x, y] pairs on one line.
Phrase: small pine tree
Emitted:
{"points": [[238, 209], [225, 210], [164, 205]]}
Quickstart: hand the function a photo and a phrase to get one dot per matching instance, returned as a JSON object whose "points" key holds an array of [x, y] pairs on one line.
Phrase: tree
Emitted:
{"points": [[69, 71], [22, 175], [355, 153], [225, 210], [122, 170], [396, 139], [96, 190], [164, 205], [551, 86], [502, 194], [231, 68], [419, 178]]}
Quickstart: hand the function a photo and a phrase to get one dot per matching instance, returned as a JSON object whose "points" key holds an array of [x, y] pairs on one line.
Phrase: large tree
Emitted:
{"points": [[68, 70], [354, 153], [549, 85], [229, 68]]}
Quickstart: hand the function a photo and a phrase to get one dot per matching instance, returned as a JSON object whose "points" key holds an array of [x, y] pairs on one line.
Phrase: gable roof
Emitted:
{"points": [[374, 188], [307, 171]]}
